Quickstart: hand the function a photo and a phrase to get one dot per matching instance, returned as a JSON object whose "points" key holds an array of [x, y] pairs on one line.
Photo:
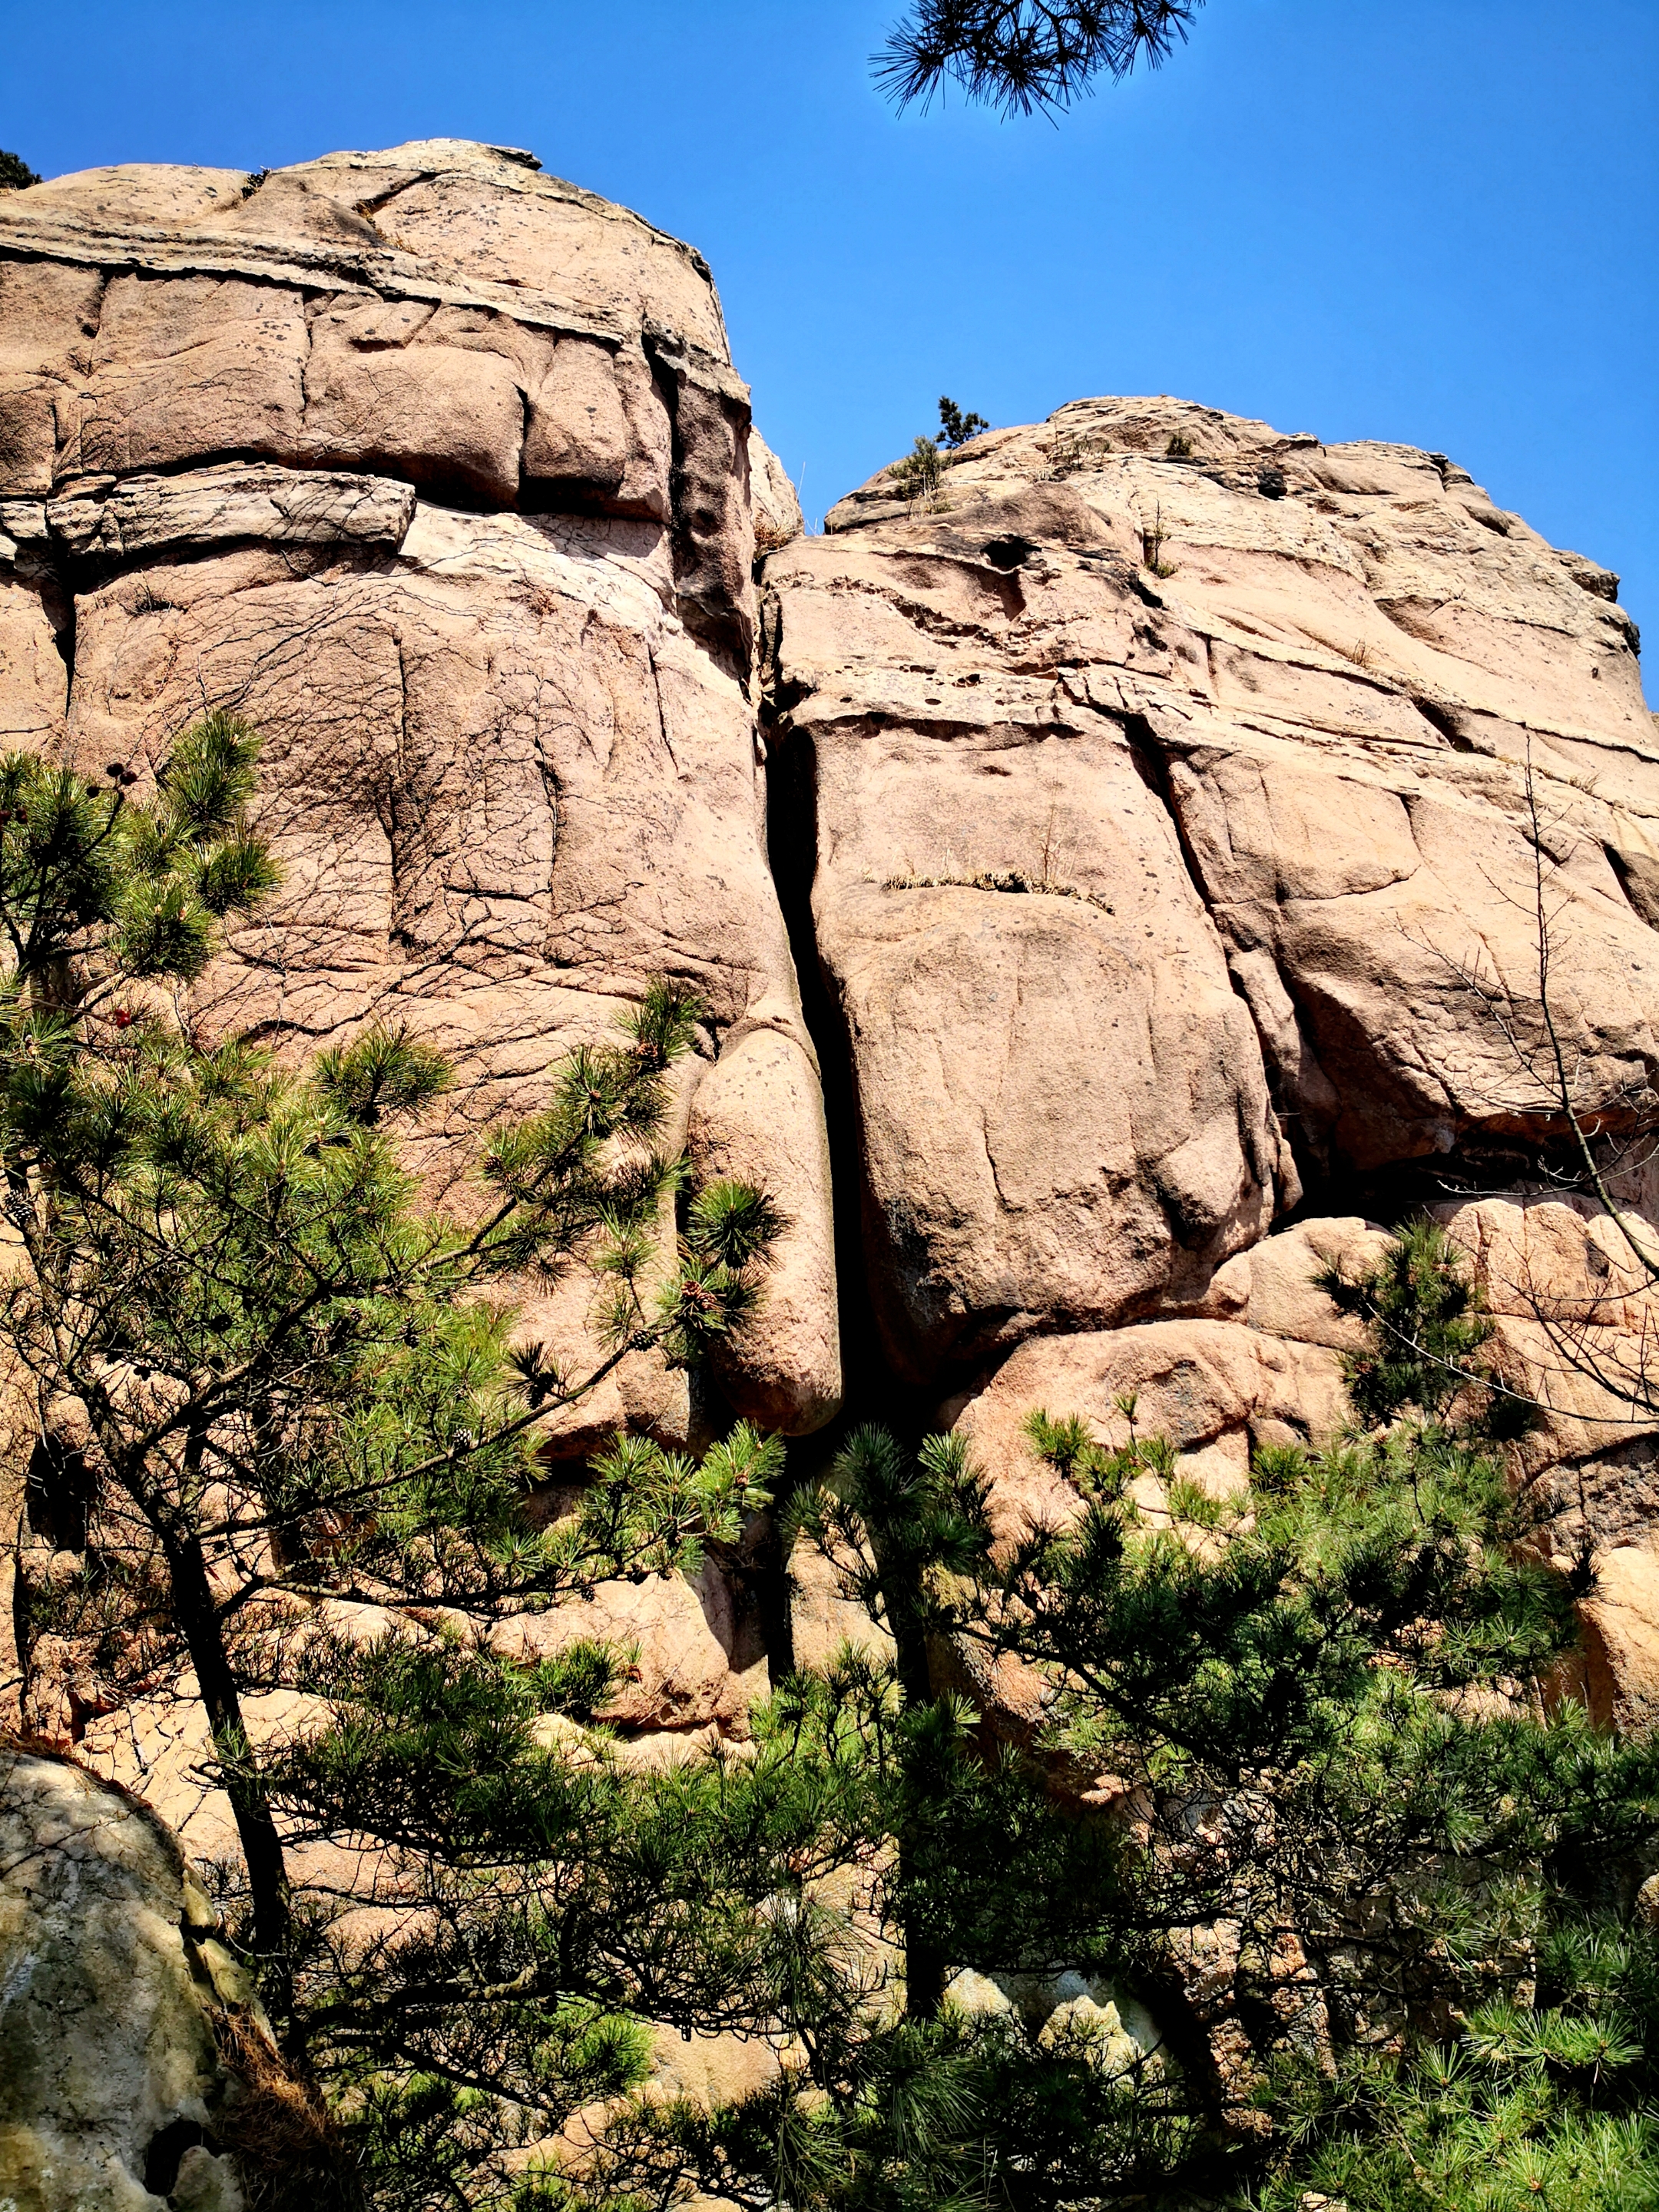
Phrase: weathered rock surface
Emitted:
{"points": [[1164, 810], [1177, 800], [111, 2081], [1151, 785], [437, 469]]}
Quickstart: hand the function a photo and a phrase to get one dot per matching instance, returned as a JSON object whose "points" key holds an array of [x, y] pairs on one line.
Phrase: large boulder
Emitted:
{"points": [[437, 469], [114, 1990], [1177, 803], [1174, 793]]}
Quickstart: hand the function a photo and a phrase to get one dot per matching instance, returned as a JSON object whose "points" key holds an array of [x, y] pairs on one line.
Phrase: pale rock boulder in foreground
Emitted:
{"points": [[111, 1980]]}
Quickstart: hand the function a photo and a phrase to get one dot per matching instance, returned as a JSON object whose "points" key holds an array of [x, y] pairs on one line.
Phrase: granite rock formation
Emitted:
{"points": [[1155, 817], [438, 470], [1176, 801], [111, 1980]]}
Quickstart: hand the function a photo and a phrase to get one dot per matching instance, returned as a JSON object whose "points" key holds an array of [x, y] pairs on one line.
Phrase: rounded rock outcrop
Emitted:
{"points": [[111, 2086]]}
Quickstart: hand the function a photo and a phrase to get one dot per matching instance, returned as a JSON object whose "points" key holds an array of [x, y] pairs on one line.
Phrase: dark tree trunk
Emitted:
{"points": [[925, 1965], [261, 1846]]}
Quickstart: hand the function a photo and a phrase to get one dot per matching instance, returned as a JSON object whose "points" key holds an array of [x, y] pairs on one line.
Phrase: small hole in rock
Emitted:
{"points": [[1008, 552], [166, 2147]]}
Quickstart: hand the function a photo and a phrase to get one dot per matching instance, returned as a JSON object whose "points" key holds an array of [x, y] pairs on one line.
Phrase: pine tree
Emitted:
{"points": [[262, 1376], [1312, 1703], [956, 428], [1019, 56]]}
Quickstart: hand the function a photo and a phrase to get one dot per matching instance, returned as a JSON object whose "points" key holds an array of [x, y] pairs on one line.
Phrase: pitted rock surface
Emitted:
{"points": [[109, 1976]]}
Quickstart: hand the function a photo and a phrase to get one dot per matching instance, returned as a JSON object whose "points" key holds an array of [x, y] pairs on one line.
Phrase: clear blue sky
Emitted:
{"points": [[1427, 220]]}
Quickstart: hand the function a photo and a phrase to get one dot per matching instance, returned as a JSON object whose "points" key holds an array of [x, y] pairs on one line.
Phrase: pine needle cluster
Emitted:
{"points": [[266, 1379], [1022, 56]]}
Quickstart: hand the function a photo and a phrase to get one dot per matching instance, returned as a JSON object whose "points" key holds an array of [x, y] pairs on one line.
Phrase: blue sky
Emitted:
{"points": [[1435, 221]]}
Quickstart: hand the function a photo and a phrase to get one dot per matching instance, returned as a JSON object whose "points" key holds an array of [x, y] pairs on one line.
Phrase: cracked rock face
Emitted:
{"points": [[1174, 850], [1163, 808], [437, 470], [1176, 799]]}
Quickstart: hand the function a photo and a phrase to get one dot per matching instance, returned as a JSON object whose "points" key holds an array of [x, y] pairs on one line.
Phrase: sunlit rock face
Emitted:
{"points": [[1174, 850], [112, 2091], [1178, 801], [1161, 810], [437, 470]]}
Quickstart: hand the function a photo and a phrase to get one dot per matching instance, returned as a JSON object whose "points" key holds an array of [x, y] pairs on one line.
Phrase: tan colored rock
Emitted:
{"points": [[134, 195], [699, 1659], [821, 1620], [510, 768], [1575, 1312], [503, 339], [757, 1115], [1274, 1287], [33, 678], [1063, 1117], [202, 365], [490, 212], [1212, 1388], [505, 788], [1362, 710], [1620, 1623], [219, 505], [160, 1749], [1332, 668], [772, 494], [437, 470], [48, 318], [111, 2082]]}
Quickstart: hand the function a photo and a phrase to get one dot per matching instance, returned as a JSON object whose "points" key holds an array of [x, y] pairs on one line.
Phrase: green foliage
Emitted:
{"points": [[919, 474], [286, 1383], [1306, 1700], [15, 172], [1554, 2104], [1180, 447], [1426, 1330], [957, 428], [132, 892], [382, 1071]]}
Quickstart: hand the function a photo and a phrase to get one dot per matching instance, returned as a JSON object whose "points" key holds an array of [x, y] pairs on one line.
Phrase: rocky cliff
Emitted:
{"points": [[1217, 844], [1155, 818]]}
